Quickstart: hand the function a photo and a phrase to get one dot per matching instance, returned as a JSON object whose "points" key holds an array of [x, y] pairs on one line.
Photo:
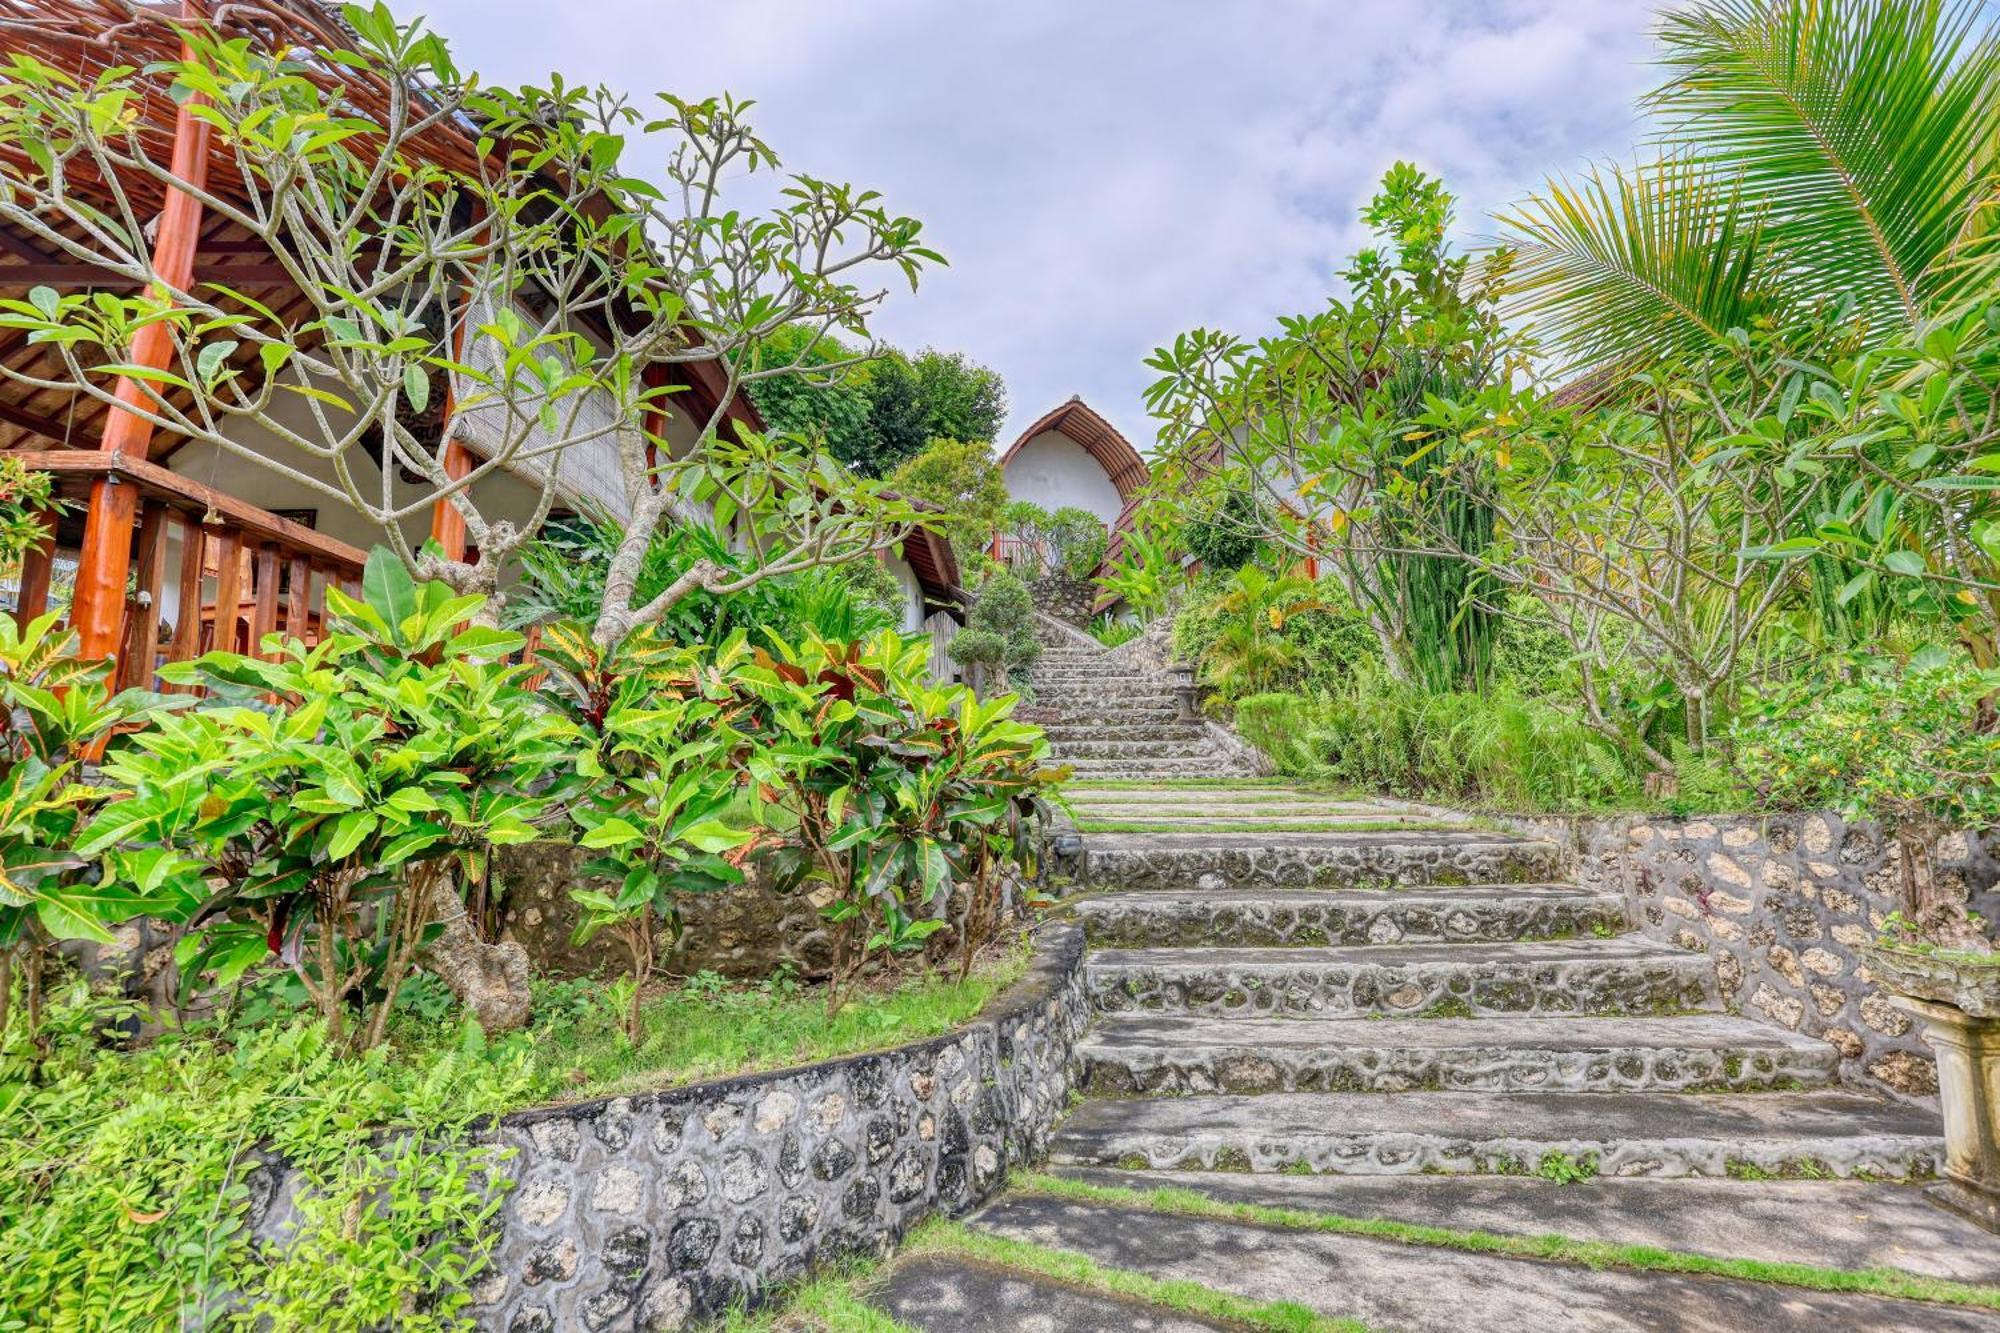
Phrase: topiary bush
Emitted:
{"points": [[1000, 628]]}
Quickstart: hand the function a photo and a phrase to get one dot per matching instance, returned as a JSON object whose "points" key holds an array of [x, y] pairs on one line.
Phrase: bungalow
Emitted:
{"points": [[172, 547], [1072, 457]]}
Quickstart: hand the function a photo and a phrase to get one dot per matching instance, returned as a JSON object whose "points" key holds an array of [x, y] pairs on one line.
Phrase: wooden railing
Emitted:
{"points": [[209, 570]]}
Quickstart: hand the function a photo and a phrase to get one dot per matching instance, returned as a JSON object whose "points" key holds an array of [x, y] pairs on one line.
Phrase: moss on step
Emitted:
{"points": [[1886, 1282]]}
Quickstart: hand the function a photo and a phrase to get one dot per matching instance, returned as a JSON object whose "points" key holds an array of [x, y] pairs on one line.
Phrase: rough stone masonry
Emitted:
{"points": [[648, 1212], [1783, 904]]}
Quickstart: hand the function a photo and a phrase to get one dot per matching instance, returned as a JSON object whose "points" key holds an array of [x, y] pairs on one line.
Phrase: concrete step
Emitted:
{"points": [[1621, 976], [1133, 750], [946, 1294], [1164, 729], [1097, 693], [1842, 1224], [1817, 1133], [1127, 769], [1314, 860], [1320, 917], [1217, 806], [1132, 710], [1712, 1052], [1091, 821], [1383, 1284]]}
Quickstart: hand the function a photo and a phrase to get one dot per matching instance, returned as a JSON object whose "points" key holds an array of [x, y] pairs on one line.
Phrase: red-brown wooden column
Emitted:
{"points": [[98, 611], [447, 524]]}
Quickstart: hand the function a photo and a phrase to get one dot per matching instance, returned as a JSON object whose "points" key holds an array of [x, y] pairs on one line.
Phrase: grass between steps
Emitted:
{"points": [[1595, 1254], [837, 1302], [1171, 825], [1229, 784]]}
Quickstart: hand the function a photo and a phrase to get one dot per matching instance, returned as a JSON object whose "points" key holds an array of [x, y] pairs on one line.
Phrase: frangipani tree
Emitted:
{"points": [[1318, 425], [465, 266]]}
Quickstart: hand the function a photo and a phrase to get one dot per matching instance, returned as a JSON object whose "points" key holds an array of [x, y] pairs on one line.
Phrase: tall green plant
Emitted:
{"points": [[1318, 434], [661, 758], [54, 716]]}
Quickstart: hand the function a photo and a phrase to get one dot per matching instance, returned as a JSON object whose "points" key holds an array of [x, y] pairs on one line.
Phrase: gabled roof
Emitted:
{"points": [[1096, 437]]}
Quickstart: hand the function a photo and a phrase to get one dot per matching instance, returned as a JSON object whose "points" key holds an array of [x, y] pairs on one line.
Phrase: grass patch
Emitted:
{"points": [[1596, 1254], [834, 1301], [838, 1302], [707, 1029], [1196, 784]]}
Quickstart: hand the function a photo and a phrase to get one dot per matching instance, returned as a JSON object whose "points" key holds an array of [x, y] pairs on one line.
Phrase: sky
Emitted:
{"points": [[1103, 174]]}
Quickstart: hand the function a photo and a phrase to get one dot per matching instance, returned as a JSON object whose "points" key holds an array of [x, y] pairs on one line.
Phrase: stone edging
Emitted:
{"points": [[653, 1210]]}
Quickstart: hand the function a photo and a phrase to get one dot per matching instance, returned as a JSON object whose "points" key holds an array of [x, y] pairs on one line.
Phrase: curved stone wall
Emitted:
{"points": [[650, 1211]]}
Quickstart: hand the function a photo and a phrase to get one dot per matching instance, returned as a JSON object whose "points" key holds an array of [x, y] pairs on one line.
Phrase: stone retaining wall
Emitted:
{"points": [[1783, 904], [743, 932], [650, 1211]]}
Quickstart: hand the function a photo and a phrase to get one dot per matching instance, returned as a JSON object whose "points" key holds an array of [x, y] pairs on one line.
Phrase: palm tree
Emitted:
{"points": [[1809, 151]]}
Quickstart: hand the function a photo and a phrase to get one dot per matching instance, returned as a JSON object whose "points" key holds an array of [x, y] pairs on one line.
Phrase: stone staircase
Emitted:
{"points": [[1417, 999], [1116, 719], [1356, 1009]]}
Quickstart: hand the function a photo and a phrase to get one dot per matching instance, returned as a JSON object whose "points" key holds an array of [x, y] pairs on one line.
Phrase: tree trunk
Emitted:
{"points": [[1937, 911], [490, 980]]}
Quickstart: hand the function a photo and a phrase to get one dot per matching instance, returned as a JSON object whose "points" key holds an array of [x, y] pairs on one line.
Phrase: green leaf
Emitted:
{"points": [[416, 386], [712, 835], [613, 832], [348, 832], [387, 587]]}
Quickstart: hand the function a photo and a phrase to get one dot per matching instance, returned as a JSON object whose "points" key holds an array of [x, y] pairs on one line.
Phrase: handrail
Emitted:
{"points": [[190, 496]]}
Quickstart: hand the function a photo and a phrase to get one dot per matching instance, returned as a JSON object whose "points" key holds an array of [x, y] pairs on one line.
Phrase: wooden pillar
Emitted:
{"points": [[447, 524], [297, 576], [186, 644], [228, 589], [98, 612], [142, 633], [264, 618], [37, 565]]}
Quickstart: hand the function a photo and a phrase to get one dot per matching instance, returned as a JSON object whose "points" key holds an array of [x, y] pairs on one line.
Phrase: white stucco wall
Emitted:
{"points": [[913, 591], [1052, 470]]}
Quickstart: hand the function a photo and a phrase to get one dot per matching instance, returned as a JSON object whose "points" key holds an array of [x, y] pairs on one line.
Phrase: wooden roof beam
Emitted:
{"points": [[90, 275]]}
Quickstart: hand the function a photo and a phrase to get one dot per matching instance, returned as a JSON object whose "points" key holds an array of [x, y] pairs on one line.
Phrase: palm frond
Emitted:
{"points": [[1619, 265], [1860, 129]]}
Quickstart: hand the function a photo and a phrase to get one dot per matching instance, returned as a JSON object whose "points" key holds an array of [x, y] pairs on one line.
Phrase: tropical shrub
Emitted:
{"points": [[333, 803], [1227, 533], [1111, 633], [1918, 749], [661, 761], [1249, 652], [27, 502], [1001, 629], [1147, 575], [564, 569], [58, 717], [1495, 750], [1077, 538], [887, 790]]}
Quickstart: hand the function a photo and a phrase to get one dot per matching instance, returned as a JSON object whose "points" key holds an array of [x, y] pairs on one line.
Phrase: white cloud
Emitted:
{"points": [[1103, 175]]}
